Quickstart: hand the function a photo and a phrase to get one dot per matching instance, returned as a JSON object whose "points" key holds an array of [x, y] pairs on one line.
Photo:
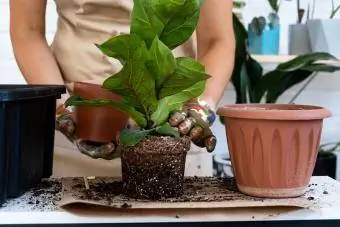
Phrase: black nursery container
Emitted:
{"points": [[27, 124], [326, 166]]}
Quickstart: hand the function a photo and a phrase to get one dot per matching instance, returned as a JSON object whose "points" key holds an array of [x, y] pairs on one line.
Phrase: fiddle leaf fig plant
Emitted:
{"points": [[152, 82]]}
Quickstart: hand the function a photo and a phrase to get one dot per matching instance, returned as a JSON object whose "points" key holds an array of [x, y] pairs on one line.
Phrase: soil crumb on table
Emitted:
{"points": [[107, 191], [199, 192], [43, 197], [47, 195]]}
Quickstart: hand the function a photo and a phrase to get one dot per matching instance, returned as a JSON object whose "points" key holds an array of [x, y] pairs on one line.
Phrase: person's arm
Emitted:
{"points": [[216, 47], [30, 47]]}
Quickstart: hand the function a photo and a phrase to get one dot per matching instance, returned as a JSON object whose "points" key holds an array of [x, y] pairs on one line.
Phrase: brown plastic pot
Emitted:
{"points": [[273, 147], [98, 124]]}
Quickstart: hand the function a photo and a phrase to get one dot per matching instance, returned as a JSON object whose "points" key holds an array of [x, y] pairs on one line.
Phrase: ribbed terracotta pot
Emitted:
{"points": [[273, 147], [98, 124]]}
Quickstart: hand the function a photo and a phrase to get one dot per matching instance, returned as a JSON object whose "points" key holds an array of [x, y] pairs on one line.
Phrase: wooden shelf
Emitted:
{"points": [[273, 58], [276, 59]]}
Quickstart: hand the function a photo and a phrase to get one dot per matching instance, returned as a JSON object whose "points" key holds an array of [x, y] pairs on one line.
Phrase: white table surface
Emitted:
{"points": [[69, 218], [328, 207]]}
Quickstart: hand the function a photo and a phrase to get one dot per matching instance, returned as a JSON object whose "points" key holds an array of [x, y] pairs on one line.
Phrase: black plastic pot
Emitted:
{"points": [[325, 166], [27, 124]]}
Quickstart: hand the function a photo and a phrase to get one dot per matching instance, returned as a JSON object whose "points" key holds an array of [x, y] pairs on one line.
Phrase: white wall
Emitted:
{"points": [[11, 74]]}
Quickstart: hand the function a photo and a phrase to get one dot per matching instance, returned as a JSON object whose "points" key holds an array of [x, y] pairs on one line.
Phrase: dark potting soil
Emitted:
{"points": [[111, 192], [43, 197], [154, 168]]}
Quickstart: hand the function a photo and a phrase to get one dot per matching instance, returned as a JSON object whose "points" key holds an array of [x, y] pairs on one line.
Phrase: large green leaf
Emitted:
{"points": [[304, 60], [172, 21], [254, 75], [241, 37], [180, 25], [167, 130], [274, 5], [285, 82], [120, 47], [129, 137], [319, 67], [165, 9], [254, 70], [175, 102], [236, 79], [244, 84], [144, 21], [133, 113], [275, 83], [161, 63], [241, 57], [268, 80], [187, 73], [135, 83], [116, 84]]}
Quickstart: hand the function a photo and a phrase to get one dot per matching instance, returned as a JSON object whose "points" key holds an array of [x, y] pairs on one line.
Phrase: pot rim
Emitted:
{"points": [[138, 151], [274, 111]]}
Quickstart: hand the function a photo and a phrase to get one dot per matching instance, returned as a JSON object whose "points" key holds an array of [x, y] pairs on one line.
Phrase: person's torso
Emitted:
{"points": [[84, 23]]}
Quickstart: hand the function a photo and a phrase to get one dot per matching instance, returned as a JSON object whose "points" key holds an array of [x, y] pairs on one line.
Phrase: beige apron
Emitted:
{"points": [[81, 25]]}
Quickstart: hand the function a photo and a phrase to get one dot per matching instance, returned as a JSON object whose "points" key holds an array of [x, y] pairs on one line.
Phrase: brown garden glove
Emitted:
{"points": [[65, 123], [195, 120]]}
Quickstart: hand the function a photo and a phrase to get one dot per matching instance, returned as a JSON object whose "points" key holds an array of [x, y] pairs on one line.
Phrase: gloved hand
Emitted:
{"points": [[195, 120], [65, 123]]}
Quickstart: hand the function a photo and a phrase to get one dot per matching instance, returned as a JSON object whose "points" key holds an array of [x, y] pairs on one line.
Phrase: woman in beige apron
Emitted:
{"points": [[81, 24]]}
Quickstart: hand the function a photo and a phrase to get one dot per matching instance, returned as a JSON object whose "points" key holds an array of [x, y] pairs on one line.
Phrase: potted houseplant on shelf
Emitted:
{"points": [[280, 142], [324, 34], [153, 85], [326, 160], [299, 41], [264, 36]]}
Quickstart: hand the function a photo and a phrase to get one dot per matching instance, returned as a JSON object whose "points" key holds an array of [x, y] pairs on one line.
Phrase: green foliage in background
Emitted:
{"points": [[252, 85]]}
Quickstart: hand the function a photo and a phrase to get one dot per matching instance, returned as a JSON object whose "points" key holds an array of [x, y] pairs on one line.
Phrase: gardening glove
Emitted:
{"points": [[195, 120], [65, 123]]}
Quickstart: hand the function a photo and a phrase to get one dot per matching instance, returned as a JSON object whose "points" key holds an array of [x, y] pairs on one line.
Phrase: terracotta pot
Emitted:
{"points": [[98, 124], [273, 147]]}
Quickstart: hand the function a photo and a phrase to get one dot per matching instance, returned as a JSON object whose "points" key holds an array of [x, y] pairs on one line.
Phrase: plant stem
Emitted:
{"points": [[332, 149], [308, 11], [298, 10], [334, 12], [331, 143], [302, 88], [86, 182], [313, 9]]}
